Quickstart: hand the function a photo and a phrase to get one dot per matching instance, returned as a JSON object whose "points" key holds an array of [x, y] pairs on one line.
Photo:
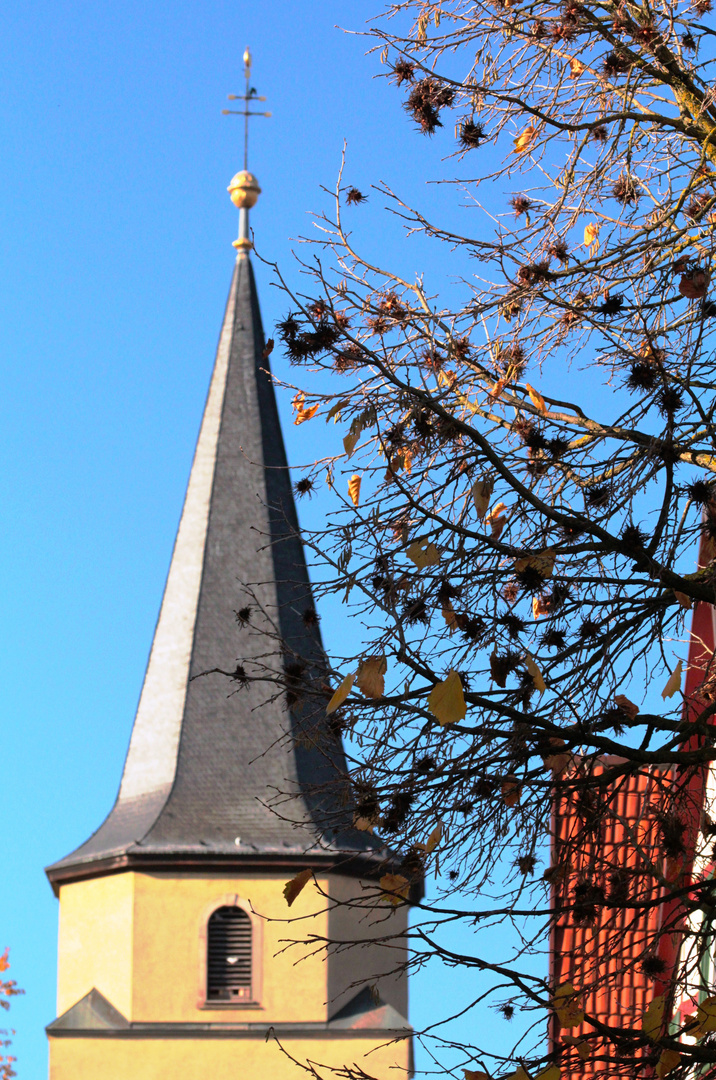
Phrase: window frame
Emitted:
{"points": [[254, 1002]]}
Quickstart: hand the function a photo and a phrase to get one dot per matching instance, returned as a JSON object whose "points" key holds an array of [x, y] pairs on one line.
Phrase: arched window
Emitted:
{"points": [[229, 955]]}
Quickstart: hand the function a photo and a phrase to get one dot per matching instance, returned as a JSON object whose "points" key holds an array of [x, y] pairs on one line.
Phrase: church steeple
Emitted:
{"points": [[172, 954], [208, 756]]}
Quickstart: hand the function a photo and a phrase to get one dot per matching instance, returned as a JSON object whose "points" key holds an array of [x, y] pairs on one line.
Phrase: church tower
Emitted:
{"points": [[173, 923]]}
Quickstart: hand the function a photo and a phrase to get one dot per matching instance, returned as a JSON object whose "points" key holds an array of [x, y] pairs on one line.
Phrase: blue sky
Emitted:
{"points": [[115, 264]]}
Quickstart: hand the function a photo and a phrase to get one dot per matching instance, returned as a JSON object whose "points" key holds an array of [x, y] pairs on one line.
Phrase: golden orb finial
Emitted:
{"points": [[244, 190]]}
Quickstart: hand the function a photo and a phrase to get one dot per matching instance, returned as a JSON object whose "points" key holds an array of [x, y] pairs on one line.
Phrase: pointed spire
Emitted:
{"points": [[207, 756]]}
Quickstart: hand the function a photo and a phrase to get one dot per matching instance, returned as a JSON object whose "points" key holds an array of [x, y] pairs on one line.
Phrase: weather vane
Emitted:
{"points": [[247, 98]]}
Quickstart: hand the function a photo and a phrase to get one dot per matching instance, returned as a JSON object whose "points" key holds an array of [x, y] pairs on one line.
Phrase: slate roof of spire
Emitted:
{"points": [[207, 757]]}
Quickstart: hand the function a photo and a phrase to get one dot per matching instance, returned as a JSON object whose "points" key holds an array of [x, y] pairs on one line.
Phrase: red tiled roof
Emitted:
{"points": [[609, 866]]}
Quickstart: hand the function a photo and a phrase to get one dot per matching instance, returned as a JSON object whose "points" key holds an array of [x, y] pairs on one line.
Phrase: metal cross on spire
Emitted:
{"points": [[247, 98]]}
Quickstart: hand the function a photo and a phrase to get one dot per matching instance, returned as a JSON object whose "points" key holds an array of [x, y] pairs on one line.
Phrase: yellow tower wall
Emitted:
{"points": [[96, 937], [138, 938], [219, 1058]]}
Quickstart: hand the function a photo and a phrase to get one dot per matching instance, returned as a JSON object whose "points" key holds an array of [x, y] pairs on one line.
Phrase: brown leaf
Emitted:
{"points": [[335, 410], [350, 441], [481, 495], [674, 683], [293, 887], [268, 348], [499, 676], [446, 700], [557, 763], [370, 679], [341, 694], [694, 285], [395, 888], [511, 791], [423, 553], [626, 706], [685, 601], [540, 606], [536, 398], [354, 488], [473, 1074], [576, 68]]}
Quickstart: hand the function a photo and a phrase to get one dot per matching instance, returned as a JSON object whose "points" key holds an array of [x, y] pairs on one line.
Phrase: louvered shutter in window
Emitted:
{"points": [[229, 955]]}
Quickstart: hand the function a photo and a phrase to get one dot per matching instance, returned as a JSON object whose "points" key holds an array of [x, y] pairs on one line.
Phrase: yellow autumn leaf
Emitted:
{"points": [[370, 679], [481, 495], [446, 700], [363, 824], [524, 141], [536, 398], [669, 1060], [582, 1047], [434, 839], [674, 683], [335, 410], [535, 673], [473, 1074], [354, 488], [395, 888], [293, 887], [576, 68], [341, 694], [653, 1019], [350, 441], [683, 600], [543, 562], [302, 413], [423, 553], [567, 1006], [706, 1017], [450, 617], [591, 234], [496, 521], [519, 1074], [551, 1073]]}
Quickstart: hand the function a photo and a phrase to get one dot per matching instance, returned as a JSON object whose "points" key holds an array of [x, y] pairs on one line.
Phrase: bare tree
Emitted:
{"points": [[516, 555]]}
